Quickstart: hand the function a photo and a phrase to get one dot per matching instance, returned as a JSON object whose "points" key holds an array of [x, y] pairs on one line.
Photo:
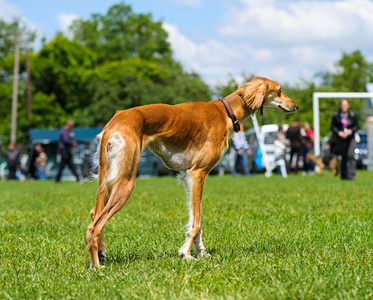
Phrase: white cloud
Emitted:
{"points": [[211, 59], [193, 3], [9, 11], [65, 20], [284, 40], [300, 22]]}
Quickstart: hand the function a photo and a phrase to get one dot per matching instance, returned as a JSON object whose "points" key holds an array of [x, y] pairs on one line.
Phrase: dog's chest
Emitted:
{"points": [[173, 158]]}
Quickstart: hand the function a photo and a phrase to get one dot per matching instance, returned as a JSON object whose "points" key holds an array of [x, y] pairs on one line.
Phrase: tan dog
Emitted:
{"points": [[189, 137], [333, 163]]}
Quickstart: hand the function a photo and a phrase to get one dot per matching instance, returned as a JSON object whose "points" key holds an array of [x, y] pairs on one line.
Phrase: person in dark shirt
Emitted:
{"points": [[344, 125], [293, 134], [12, 158], [65, 144]]}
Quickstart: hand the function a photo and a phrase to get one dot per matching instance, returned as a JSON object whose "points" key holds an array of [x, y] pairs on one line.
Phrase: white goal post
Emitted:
{"points": [[316, 111]]}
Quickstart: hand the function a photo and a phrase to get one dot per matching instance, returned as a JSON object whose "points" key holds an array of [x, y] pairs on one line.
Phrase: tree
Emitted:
{"points": [[352, 73], [121, 91], [133, 65], [122, 34], [8, 33], [60, 70]]}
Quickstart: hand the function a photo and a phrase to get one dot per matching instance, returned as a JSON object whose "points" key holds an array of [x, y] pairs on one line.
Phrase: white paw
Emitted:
{"points": [[188, 257], [203, 253]]}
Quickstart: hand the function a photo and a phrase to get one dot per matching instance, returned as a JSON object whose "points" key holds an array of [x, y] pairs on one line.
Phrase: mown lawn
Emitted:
{"points": [[275, 238]]}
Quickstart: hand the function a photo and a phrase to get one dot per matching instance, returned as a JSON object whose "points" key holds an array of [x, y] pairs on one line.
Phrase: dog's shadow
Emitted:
{"points": [[149, 255], [216, 253]]}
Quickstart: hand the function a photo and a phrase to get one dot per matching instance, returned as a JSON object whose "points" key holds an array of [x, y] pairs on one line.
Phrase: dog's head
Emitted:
{"points": [[262, 93]]}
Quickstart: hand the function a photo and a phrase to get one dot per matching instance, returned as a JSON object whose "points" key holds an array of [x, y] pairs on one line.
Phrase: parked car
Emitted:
{"points": [[268, 136], [361, 150]]}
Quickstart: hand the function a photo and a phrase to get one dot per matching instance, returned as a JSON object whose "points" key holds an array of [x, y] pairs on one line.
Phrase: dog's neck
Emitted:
{"points": [[239, 106]]}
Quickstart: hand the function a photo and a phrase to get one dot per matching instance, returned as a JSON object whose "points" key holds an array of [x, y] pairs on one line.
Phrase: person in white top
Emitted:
{"points": [[241, 146], [280, 147]]}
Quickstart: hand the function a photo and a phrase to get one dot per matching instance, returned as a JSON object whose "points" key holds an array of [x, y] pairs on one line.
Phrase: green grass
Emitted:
{"points": [[275, 238]]}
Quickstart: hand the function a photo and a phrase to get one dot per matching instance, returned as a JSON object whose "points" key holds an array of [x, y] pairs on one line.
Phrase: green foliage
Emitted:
{"points": [[60, 70], [352, 73], [8, 33], [228, 88], [308, 238], [47, 113], [125, 90], [122, 34], [116, 61], [111, 71]]}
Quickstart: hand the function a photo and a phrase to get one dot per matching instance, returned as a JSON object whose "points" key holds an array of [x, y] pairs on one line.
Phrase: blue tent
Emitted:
{"points": [[47, 136]]}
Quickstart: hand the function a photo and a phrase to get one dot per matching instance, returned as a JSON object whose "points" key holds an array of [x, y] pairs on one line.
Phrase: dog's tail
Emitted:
{"points": [[95, 159], [108, 158]]}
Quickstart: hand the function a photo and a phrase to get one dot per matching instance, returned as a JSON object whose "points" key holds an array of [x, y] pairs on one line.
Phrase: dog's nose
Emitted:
{"points": [[296, 107]]}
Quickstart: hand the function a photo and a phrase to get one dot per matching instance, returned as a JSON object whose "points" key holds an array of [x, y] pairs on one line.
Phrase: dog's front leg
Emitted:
{"points": [[193, 183], [200, 248]]}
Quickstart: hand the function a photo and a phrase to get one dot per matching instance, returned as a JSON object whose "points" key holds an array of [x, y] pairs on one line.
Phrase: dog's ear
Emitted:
{"points": [[254, 94]]}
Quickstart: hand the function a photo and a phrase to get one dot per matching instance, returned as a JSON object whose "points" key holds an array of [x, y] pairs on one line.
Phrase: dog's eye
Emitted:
{"points": [[280, 91]]}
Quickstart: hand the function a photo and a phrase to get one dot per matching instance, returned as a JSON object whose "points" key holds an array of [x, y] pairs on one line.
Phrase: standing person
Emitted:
{"points": [[280, 152], [65, 144], [12, 157], [281, 135], [308, 137], [294, 135], [40, 164], [31, 163], [20, 173], [241, 146], [344, 125]]}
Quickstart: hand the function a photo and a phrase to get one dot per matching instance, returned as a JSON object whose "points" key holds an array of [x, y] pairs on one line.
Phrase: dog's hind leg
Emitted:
{"points": [[118, 198], [193, 182], [102, 195], [102, 198], [121, 180]]}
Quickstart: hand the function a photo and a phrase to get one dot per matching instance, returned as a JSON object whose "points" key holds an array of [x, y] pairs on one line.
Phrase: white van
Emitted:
{"points": [[268, 136]]}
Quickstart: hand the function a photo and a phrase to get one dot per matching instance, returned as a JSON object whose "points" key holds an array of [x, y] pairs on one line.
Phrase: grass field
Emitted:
{"points": [[275, 238]]}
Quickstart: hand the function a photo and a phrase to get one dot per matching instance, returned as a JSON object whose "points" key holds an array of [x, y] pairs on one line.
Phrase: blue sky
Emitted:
{"points": [[285, 40], [190, 18]]}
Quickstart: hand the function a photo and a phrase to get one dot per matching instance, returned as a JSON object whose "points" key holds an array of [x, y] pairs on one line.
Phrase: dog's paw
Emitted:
{"points": [[91, 267], [188, 257], [203, 253]]}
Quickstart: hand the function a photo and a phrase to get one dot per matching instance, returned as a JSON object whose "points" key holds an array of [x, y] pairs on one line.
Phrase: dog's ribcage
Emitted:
{"points": [[173, 158]]}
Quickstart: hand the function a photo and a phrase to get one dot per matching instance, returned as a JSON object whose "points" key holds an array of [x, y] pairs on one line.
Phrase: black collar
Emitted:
{"points": [[236, 124]]}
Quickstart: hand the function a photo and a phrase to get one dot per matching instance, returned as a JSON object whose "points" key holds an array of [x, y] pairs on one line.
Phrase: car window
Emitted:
{"points": [[269, 137], [363, 138]]}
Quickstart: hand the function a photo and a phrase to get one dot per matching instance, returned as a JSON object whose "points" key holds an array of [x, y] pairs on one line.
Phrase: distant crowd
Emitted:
{"points": [[37, 160], [35, 165], [300, 140]]}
